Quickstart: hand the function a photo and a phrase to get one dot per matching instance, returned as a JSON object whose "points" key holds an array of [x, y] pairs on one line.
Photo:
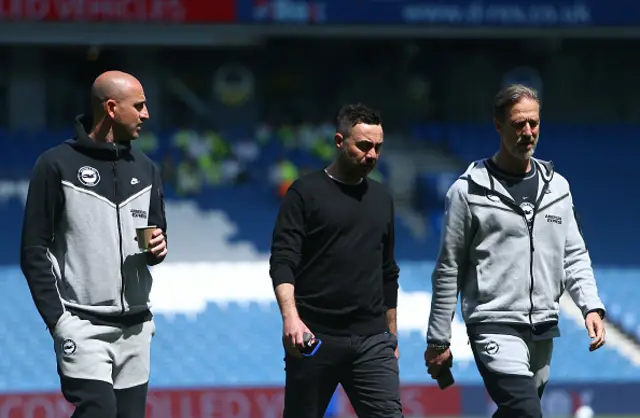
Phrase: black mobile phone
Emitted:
{"points": [[311, 345], [445, 378]]}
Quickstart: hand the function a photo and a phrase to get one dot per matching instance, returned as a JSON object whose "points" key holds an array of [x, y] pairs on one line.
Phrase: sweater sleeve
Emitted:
{"points": [[157, 214], [452, 259], [41, 213], [579, 277], [390, 269], [288, 235]]}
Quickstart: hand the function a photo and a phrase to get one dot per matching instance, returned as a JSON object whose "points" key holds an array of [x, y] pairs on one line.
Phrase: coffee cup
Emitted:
{"points": [[144, 235]]}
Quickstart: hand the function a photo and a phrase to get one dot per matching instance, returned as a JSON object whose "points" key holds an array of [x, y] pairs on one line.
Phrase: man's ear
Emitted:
{"points": [[497, 125], [110, 108], [339, 140]]}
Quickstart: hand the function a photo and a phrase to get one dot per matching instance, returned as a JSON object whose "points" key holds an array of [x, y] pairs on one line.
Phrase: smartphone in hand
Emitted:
{"points": [[311, 345], [445, 378]]}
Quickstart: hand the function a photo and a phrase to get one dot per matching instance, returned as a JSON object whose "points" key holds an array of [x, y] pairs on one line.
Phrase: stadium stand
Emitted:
{"points": [[242, 94], [217, 323], [226, 332]]}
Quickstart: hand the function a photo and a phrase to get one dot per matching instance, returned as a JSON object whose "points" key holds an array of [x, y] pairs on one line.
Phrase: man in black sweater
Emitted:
{"points": [[336, 279]]}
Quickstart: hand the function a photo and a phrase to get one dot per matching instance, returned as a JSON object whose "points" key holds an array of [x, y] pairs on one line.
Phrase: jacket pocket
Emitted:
{"points": [[485, 285], [63, 318], [550, 277], [67, 326], [137, 280], [99, 290]]}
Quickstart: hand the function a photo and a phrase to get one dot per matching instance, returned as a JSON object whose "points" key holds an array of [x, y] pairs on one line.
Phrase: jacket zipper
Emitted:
{"points": [[120, 242], [532, 248], [512, 204]]}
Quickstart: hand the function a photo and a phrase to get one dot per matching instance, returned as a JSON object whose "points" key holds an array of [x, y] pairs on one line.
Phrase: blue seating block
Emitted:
{"points": [[239, 343]]}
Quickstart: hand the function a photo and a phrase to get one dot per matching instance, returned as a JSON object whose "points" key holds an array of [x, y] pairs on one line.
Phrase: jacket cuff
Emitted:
{"points": [[601, 312]]}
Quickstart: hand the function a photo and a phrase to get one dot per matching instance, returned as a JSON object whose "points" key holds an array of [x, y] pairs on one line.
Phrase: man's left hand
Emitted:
{"points": [[436, 359], [595, 327], [158, 244], [397, 353]]}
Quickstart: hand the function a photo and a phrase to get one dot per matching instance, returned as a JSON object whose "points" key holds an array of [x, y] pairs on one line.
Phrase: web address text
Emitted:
{"points": [[503, 14]]}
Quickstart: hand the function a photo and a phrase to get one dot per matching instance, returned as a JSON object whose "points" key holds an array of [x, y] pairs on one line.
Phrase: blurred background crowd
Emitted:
{"points": [[242, 96]]}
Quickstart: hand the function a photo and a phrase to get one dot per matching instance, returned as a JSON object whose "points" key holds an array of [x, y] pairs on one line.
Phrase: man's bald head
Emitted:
{"points": [[112, 85], [117, 98]]}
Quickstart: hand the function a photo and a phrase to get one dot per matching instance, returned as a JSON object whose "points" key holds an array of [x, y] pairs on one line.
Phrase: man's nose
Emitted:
{"points": [[144, 114]]}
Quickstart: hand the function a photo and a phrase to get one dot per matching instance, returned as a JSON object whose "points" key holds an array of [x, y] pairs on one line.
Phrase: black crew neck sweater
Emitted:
{"points": [[335, 243]]}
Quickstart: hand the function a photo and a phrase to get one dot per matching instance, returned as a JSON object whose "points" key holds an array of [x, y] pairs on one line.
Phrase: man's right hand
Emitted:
{"points": [[436, 359], [293, 335]]}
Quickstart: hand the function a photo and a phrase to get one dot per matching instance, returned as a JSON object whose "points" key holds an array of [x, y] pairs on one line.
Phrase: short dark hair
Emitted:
{"points": [[352, 114], [511, 95]]}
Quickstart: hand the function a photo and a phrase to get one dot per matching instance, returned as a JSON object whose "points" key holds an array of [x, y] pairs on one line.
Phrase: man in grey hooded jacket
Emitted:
{"points": [[511, 245]]}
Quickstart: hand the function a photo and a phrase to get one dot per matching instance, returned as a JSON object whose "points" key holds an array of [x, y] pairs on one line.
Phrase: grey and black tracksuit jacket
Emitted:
{"points": [[510, 275], [78, 250]]}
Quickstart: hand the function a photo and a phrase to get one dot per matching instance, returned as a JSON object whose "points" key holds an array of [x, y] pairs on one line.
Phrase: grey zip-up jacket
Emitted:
{"points": [[78, 250], [506, 273]]}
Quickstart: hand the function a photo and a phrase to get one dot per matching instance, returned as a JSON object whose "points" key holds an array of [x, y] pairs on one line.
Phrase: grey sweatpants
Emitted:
{"points": [[104, 369], [116, 355], [515, 372]]}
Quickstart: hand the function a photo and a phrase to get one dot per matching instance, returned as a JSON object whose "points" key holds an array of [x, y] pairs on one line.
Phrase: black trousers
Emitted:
{"points": [[366, 367], [97, 399]]}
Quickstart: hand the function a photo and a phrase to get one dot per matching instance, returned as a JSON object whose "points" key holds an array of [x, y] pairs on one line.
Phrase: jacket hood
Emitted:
{"points": [[101, 150], [478, 173]]}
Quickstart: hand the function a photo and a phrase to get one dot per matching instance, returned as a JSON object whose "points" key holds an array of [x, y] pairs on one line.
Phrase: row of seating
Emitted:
{"points": [[237, 342]]}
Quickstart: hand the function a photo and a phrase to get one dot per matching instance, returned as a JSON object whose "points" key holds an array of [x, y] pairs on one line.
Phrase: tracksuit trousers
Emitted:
{"points": [[104, 369], [515, 372]]}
